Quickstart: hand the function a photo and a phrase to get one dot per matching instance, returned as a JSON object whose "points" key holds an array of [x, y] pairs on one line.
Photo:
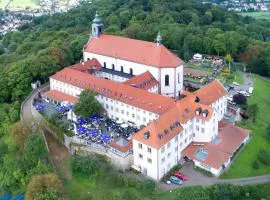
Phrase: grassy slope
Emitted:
{"points": [[242, 167], [100, 186], [257, 15], [18, 3]]}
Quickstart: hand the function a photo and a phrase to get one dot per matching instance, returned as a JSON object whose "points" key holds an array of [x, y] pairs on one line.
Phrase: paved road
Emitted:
{"points": [[196, 178]]}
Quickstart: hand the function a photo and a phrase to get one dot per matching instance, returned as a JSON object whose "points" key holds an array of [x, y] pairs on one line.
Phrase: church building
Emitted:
{"points": [[127, 57]]}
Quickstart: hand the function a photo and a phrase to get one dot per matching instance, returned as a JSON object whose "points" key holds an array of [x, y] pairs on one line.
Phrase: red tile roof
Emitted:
{"points": [[211, 92], [60, 96], [143, 52], [133, 96], [215, 158], [142, 81], [156, 129], [88, 66], [183, 111], [230, 137], [120, 148]]}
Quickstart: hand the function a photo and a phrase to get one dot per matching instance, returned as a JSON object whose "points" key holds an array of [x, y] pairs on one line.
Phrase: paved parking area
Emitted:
{"points": [[195, 177]]}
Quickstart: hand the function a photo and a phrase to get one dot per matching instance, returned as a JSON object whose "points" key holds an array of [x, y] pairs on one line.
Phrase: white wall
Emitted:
{"points": [[175, 83], [220, 106], [115, 109], [205, 131], [150, 169]]}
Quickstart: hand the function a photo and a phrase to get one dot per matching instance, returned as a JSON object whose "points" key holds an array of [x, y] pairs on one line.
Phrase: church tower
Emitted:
{"points": [[97, 26], [158, 39]]}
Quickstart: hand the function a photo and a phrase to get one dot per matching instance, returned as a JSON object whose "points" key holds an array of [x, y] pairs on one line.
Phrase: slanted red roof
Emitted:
{"points": [[121, 145], [143, 52], [60, 96], [229, 139], [139, 98], [142, 81], [89, 66], [157, 137], [183, 111], [211, 92], [215, 158]]}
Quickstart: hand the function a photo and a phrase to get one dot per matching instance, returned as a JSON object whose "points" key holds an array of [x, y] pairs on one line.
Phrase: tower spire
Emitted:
{"points": [[97, 26], [159, 39]]}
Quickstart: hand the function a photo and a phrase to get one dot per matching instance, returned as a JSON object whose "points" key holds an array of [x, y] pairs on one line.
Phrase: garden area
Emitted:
{"points": [[254, 159]]}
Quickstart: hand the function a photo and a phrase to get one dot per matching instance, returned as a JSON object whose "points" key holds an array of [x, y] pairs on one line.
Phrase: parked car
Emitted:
{"points": [[180, 175], [175, 180]]}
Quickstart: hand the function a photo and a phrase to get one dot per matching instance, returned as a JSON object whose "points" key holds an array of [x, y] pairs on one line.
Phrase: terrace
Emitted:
{"points": [[98, 131]]}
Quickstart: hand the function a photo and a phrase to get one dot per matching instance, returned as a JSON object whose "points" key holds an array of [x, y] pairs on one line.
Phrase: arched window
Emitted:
{"points": [[113, 67], [104, 64], [131, 71], [167, 80], [122, 69]]}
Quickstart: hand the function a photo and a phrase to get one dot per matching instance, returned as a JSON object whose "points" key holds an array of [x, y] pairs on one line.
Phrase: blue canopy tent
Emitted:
{"points": [[60, 108], [93, 133], [95, 117], [39, 107], [69, 107], [81, 130], [81, 120], [105, 138]]}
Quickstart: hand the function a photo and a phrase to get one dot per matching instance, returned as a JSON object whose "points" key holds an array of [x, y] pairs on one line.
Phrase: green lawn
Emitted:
{"points": [[19, 3], [257, 15], [236, 77], [242, 167]]}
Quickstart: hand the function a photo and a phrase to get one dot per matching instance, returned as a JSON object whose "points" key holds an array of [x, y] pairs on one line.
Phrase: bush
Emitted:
{"points": [[255, 165], [239, 99], [268, 132], [85, 164], [148, 186], [264, 157]]}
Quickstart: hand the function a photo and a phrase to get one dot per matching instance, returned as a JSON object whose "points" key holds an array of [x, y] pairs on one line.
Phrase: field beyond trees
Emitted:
{"points": [[257, 15]]}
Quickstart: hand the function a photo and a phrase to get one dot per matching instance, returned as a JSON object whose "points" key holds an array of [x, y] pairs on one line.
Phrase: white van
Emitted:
{"points": [[250, 90]]}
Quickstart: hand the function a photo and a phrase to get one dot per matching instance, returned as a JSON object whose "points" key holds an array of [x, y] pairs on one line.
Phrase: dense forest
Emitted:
{"points": [[50, 43]]}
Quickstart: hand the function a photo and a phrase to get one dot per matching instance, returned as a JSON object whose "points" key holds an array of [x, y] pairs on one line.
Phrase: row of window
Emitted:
{"points": [[121, 69], [149, 160], [140, 146]]}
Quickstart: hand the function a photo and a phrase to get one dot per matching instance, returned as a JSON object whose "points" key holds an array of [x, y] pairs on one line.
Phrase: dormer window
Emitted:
{"points": [[198, 111], [205, 113], [146, 135]]}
